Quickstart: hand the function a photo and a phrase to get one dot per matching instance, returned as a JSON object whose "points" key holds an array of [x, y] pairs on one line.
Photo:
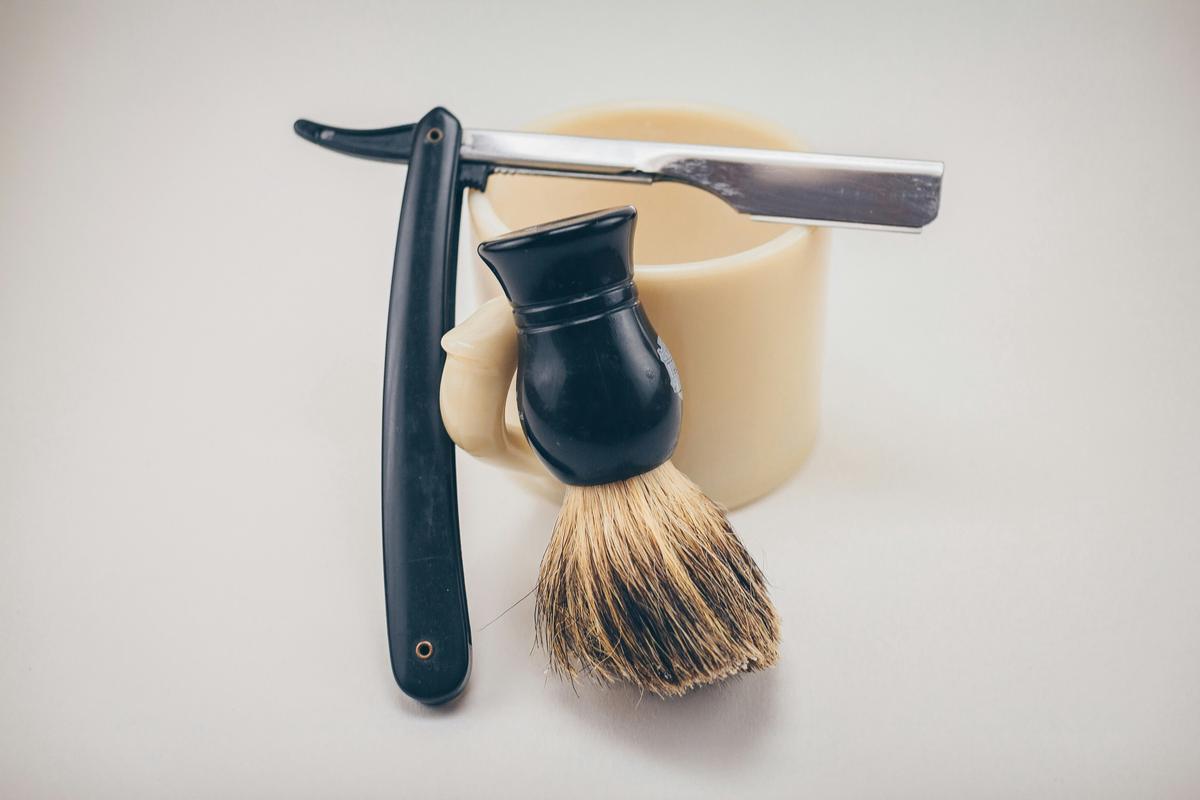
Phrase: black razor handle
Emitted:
{"points": [[429, 635]]}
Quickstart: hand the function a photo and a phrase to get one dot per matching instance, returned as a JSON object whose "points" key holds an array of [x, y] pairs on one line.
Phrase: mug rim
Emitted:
{"points": [[482, 209]]}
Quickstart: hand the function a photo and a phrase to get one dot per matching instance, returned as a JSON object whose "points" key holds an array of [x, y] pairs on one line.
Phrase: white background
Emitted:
{"points": [[989, 571]]}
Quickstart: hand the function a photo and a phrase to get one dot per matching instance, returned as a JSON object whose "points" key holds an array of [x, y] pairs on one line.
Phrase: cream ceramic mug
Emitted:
{"points": [[739, 303]]}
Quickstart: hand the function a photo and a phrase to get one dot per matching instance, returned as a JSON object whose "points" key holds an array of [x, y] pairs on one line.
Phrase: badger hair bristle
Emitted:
{"points": [[644, 581]]}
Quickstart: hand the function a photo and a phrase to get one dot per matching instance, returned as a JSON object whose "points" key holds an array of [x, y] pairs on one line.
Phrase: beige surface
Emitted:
{"points": [[741, 307], [987, 572]]}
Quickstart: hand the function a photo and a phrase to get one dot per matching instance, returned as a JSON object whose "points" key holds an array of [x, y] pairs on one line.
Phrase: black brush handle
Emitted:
{"points": [[429, 635], [598, 391]]}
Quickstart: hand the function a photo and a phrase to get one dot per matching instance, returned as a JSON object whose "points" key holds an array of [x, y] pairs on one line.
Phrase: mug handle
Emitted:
{"points": [[481, 357]]}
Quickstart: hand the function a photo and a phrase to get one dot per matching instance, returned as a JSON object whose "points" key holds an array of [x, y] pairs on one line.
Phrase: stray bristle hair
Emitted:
{"points": [[645, 581]]}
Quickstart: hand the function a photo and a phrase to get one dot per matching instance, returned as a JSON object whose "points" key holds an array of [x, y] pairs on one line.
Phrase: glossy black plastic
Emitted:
{"points": [[428, 631], [394, 145], [597, 391]]}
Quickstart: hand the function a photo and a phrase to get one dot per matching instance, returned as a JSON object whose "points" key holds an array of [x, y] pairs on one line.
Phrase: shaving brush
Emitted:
{"points": [[644, 580]]}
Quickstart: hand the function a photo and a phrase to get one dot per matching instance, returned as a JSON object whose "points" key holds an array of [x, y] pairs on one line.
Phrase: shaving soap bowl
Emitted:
{"points": [[739, 303]]}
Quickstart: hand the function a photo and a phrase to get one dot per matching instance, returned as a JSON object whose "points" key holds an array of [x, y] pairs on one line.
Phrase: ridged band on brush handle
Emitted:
{"points": [[429, 635], [576, 310]]}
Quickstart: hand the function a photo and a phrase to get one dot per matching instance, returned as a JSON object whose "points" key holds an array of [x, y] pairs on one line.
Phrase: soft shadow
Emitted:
{"points": [[713, 728], [413, 708]]}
